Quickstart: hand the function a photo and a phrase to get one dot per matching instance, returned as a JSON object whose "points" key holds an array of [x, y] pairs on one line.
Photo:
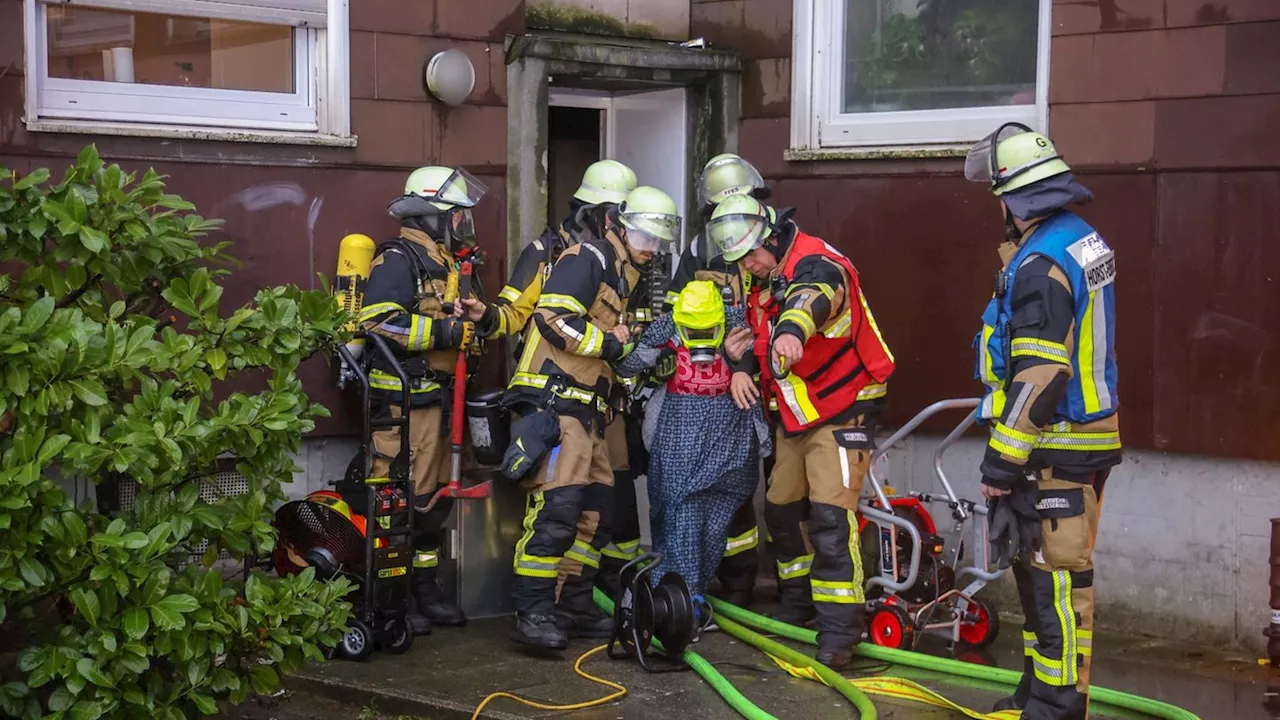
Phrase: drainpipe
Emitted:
{"points": [[1273, 631]]}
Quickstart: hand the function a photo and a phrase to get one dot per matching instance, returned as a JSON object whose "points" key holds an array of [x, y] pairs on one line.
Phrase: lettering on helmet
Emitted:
{"points": [[735, 190]]}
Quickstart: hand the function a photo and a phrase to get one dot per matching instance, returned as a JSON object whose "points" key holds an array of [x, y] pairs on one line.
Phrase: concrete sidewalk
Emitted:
{"points": [[448, 674]]}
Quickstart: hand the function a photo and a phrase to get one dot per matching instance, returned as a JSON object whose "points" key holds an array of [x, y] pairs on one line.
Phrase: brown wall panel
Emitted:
{"points": [[1217, 337], [1218, 132]]}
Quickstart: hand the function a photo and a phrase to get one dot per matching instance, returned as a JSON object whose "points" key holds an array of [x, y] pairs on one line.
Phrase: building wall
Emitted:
{"points": [[287, 207], [1165, 108]]}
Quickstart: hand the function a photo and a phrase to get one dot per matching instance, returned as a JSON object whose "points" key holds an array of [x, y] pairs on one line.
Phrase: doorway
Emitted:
{"points": [[644, 130]]}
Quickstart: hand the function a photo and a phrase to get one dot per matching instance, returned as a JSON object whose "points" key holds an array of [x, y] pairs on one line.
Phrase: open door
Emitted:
{"points": [[647, 132]]}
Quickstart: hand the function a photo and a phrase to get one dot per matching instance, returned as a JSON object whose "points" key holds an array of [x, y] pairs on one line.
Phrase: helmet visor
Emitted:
{"points": [[464, 228], [980, 164], [461, 189], [648, 232], [736, 235], [727, 177]]}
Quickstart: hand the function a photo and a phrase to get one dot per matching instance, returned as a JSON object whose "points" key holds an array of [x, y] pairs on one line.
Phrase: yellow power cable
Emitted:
{"points": [[620, 691]]}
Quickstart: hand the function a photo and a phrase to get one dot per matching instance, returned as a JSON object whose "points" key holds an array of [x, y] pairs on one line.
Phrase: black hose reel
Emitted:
{"points": [[646, 613]]}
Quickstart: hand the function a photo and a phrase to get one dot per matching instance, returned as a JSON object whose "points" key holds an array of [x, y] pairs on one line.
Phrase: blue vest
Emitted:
{"points": [[1090, 266]]}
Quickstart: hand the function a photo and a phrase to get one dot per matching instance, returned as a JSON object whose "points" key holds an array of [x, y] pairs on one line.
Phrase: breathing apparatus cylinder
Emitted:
{"points": [[355, 258]]}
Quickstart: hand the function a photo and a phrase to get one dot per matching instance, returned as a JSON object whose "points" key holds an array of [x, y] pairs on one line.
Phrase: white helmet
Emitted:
{"points": [[433, 194], [739, 225]]}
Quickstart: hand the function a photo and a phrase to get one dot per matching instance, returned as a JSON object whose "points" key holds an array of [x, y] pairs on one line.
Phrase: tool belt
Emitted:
{"points": [[560, 393]]}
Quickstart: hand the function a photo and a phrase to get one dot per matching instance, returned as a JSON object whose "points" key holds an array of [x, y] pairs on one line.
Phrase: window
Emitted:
{"points": [[928, 75], [243, 69]]}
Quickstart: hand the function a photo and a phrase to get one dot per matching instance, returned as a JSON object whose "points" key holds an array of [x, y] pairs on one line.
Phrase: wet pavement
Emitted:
{"points": [[448, 674]]}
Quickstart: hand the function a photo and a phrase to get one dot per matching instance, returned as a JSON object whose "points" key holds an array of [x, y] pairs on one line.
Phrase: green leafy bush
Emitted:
{"points": [[112, 337]]}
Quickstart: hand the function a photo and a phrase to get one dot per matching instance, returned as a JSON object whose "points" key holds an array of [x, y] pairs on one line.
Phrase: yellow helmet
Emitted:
{"points": [[650, 218], [605, 181], [1013, 157], [726, 175], [699, 318], [739, 225]]}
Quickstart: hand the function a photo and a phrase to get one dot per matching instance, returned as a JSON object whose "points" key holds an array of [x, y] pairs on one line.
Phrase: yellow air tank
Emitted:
{"points": [[355, 256]]}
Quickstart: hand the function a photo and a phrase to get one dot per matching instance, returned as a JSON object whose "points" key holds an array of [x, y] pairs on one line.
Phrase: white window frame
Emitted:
{"points": [[317, 112], [818, 125]]}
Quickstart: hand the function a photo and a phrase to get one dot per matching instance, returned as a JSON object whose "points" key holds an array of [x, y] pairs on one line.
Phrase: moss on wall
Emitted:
{"points": [[567, 18]]}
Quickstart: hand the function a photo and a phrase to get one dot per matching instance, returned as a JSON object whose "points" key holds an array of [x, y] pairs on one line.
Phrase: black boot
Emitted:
{"points": [[835, 658], [419, 625], [795, 604], [741, 598], [431, 603], [1018, 700], [577, 614], [539, 630]]}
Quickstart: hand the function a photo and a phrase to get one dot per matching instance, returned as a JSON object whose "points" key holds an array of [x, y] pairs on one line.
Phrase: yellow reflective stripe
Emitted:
{"points": [[380, 380], [1060, 440], [874, 327], [840, 325], [593, 344], [1084, 641], [795, 568], [1088, 383], [1028, 643], [796, 395], [426, 559], [533, 565], [561, 302], [644, 315], [672, 297], [837, 591], [742, 543], [1035, 347], [629, 550], [1066, 623], [1011, 442], [419, 332], [1047, 670], [993, 403], [584, 553], [509, 294], [873, 391], [801, 318], [369, 312], [338, 505], [820, 287], [855, 555], [540, 382]]}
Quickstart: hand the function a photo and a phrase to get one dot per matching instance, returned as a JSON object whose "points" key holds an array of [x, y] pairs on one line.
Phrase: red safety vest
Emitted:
{"points": [[846, 361], [705, 379]]}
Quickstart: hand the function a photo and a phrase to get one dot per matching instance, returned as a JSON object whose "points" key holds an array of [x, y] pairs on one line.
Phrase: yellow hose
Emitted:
{"points": [[619, 691]]}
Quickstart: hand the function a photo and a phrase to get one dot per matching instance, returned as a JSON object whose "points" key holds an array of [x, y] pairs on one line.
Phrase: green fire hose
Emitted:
{"points": [[706, 671], [1114, 698]]}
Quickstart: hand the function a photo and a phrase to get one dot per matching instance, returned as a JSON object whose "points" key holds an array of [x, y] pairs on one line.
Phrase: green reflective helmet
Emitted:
{"points": [[445, 187], [727, 175], [605, 181], [1013, 157], [698, 314], [650, 218], [739, 225]]}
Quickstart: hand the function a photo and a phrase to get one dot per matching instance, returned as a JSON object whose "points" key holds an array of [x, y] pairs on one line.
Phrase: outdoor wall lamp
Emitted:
{"points": [[450, 76]]}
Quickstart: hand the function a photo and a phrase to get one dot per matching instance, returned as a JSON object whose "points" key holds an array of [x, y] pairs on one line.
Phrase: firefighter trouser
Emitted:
{"points": [[741, 561], [428, 470], [809, 511], [1055, 589], [570, 501], [629, 459]]}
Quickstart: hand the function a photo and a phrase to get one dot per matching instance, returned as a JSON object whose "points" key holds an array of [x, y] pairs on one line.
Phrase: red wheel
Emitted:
{"points": [[891, 627], [980, 626]]}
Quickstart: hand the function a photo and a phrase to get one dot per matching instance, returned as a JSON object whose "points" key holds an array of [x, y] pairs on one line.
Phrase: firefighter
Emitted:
{"points": [[407, 301], [565, 371], [724, 176], [822, 357], [604, 184], [1046, 354]]}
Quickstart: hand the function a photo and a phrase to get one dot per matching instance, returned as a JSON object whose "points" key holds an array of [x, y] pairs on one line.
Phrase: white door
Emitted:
{"points": [[647, 132]]}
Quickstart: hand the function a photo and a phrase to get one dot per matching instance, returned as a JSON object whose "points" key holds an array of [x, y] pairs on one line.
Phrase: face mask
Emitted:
{"points": [[703, 344]]}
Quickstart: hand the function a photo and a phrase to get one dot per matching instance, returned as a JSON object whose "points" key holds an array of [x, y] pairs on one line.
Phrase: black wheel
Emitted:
{"points": [[396, 637], [980, 626], [357, 643]]}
